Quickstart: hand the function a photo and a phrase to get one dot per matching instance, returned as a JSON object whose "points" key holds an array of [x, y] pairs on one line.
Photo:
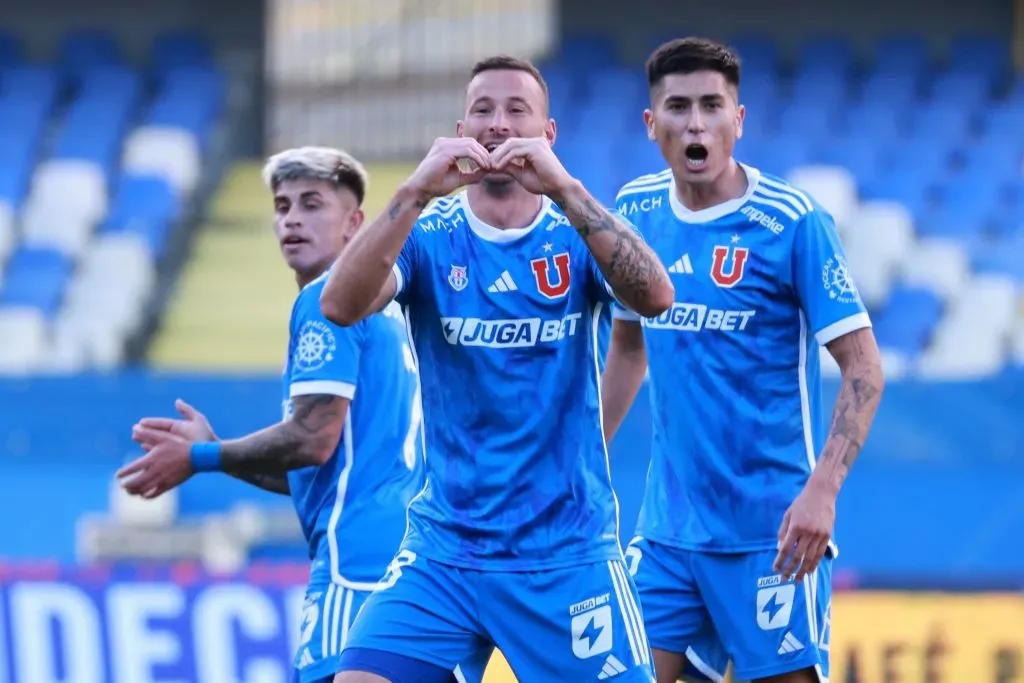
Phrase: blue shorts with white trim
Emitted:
{"points": [[572, 624], [720, 606]]}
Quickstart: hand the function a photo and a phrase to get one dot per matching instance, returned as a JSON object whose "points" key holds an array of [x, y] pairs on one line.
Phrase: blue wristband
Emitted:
{"points": [[205, 457]]}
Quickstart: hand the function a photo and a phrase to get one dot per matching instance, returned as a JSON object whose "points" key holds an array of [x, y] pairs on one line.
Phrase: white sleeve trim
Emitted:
{"points": [[836, 330], [625, 314], [322, 386], [399, 279]]}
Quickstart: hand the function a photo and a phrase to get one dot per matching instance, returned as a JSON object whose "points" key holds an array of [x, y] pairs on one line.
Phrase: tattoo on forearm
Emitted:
{"points": [[632, 265], [397, 207], [855, 407], [313, 429], [275, 483]]}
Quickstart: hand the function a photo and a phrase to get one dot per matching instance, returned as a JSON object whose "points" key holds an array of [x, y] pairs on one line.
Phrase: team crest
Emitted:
{"points": [[552, 282], [727, 265], [458, 278]]}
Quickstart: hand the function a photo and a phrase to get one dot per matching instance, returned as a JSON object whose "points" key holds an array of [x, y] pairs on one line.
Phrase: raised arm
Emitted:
{"points": [[632, 269], [362, 280], [624, 371]]}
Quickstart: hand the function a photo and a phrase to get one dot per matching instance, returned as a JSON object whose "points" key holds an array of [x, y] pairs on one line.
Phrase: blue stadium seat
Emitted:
{"points": [[891, 89], [10, 51], [117, 84], [780, 155], [907, 320], [874, 122], [948, 122], [828, 54], [622, 85], [797, 119], [36, 83], [1002, 123], [36, 278], [1001, 256], [998, 160], [956, 87], [901, 54], [897, 185], [759, 92], [642, 159], [145, 206], [982, 55], [23, 117], [179, 49], [586, 52], [825, 87], [760, 54], [80, 52], [860, 157]]}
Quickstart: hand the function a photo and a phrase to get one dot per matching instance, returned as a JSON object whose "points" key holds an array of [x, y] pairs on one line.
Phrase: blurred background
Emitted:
{"points": [[137, 266]]}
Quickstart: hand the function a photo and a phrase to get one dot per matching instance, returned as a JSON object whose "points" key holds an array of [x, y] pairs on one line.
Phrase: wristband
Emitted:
{"points": [[205, 457]]}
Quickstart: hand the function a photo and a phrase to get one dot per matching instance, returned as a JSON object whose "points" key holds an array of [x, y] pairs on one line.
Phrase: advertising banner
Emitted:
{"points": [[178, 625]]}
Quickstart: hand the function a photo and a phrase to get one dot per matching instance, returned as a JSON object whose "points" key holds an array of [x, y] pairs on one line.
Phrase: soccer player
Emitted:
{"points": [[734, 538], [351, 465], [514, 541]]}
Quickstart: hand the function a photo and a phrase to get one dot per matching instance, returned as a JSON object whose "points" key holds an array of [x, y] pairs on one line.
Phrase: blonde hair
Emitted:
{"points": [[333, 166]]}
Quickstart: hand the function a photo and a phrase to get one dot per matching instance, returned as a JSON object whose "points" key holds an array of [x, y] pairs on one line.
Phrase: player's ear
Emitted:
{"points": [[652, 134], [741, 115], [551, 132], [355, 219], [460, 127]]}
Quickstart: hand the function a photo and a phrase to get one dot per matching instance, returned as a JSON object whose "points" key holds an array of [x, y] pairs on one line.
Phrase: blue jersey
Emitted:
{"points": [[760, 282], [352, 508], [505, 326]]}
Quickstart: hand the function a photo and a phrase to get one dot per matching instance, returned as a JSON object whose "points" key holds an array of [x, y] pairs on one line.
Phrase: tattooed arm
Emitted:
{"points": [[307, 438], [275, 483], [631, 268], [859, 395], [363, 278]]}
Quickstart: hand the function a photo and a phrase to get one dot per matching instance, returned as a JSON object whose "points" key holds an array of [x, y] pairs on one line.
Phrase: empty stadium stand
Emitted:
{"points": [[100, 160], [231, 308], [919, 160]]}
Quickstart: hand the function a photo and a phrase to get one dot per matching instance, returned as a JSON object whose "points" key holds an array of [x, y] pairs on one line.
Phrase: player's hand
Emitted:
{"points": [[450, 164], [805, 532], [192, 427], [533, 163], [167, 465]]}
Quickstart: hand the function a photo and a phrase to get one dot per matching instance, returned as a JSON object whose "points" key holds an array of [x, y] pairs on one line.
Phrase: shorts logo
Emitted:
{"points": [[775, 606], [552, 285], [458, 278], [592, 627], [727, 265]]}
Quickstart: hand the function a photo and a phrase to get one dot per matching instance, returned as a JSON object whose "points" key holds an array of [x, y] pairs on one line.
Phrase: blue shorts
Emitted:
{"points": [[573, 624], [327, 617], [715, 607]]}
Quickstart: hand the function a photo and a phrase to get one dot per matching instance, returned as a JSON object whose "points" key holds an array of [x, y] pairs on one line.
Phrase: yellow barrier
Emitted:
{"points": [[913, 638]]}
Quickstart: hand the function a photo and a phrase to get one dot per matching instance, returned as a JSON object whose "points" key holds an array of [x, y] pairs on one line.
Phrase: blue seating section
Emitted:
{"points": [[943, 135], [83, 107]]}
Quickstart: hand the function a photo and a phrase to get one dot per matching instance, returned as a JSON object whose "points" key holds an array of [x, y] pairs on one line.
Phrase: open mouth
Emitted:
{"points": [[696, 155], [292, 240]]}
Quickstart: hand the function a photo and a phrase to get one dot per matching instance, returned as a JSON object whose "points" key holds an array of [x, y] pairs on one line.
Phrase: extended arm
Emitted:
{"points": [[275, 483], [624, 371], [307, 438], [634, 272], [362, 280], [861, 389]]}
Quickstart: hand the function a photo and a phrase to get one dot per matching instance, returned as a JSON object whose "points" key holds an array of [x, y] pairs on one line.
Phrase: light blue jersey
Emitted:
{"points": [[353, 508], [760, 282], [505, 326]]}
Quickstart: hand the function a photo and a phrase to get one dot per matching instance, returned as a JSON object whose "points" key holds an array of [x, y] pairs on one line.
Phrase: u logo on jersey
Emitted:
{"points": [[551, 285], [728, 275]]}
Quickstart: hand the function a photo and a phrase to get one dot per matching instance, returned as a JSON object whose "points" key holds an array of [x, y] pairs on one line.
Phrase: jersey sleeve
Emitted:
{"points": [[405, 266], [325, 357], [824, 285]]}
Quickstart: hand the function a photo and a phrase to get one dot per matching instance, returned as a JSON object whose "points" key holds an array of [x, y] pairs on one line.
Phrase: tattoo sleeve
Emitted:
{"points": [[859, 395], [275, 483], [307, 438], [632, 269]]}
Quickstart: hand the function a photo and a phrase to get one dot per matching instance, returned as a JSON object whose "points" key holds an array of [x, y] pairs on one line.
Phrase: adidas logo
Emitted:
{"points": [[682, 266], [790, 644], [612, 667], [505, 283]]}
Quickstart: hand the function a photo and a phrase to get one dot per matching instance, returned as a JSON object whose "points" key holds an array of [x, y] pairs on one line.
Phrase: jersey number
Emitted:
{"points": [[409, 450]]}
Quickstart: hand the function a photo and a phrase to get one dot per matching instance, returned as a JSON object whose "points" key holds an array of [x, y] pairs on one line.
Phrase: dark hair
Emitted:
{"points": [[689, 55], [508, 63]]}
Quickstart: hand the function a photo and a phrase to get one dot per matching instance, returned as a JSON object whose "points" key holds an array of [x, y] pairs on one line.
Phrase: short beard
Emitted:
{"points": [[497, 188]]}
